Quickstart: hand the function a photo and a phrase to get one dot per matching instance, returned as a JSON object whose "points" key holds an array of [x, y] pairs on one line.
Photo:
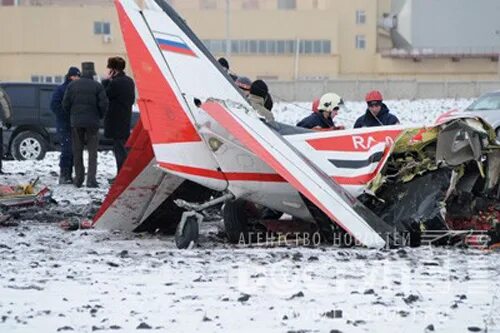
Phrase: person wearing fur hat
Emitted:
{"points": [[63, 127], [259, 98], [120, 90]]}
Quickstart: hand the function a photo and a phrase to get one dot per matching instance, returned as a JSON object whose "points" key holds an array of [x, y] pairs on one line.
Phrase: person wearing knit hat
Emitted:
{"points": [[377, 113], [225, 65], [63, 127], [259, 94]]}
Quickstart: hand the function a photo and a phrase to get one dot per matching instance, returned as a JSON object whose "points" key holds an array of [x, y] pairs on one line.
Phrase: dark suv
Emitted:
{"points": [[33, 130]]}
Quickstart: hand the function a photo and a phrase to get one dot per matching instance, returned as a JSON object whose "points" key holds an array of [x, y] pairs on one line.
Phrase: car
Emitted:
{"points": [[33, 124], [487, 107]]}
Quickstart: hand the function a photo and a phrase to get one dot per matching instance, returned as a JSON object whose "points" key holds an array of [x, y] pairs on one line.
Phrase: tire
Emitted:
{"points": [[189, 232], [235, 220], [29, 145]]}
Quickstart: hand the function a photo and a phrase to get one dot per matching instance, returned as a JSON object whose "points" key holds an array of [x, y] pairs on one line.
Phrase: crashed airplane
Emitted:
{"points": [[373, 184]]}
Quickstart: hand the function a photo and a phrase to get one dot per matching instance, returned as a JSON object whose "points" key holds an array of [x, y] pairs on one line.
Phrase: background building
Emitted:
{"points": [[283, 40]]}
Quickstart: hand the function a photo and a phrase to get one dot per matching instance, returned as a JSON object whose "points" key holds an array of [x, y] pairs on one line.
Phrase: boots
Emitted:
{"points": [[65, 176]]}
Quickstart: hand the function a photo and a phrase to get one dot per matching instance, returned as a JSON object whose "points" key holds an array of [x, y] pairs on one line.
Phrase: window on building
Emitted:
{"points": [[327, 47], [208, 4], [250, 4], [219, 46], [252, 46], [317, 47], [315, 4], [102, 28], [360, 17], [35, 78], [48, 79], [287, 4], [308, 47], [244, 46], [269, 47], [360, 42], [106, 28], [235, 46], [280, 47], [267, 77], [58, 79], [262, 47], [290, 46]]}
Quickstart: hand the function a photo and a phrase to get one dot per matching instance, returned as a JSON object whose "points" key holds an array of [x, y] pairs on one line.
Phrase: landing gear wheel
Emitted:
{"points": [[236, 220], [187, 230]]}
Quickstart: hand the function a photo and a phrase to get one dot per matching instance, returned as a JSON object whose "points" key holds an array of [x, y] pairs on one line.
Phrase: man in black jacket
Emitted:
{"points": [[120, 90], [86, 102]]}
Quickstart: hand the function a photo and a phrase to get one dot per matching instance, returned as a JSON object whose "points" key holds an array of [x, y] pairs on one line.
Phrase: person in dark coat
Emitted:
{"points": [[261, 100], [120, 90], [86, 102], [322, 117], [377, 113], [63, 127], [5, 119], [225, 64]]}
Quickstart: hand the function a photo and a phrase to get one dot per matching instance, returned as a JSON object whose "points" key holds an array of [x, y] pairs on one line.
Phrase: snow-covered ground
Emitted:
{"points": [[53, 280]]}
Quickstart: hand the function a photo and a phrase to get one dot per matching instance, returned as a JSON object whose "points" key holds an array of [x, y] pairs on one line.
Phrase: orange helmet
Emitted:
{"points": [[374, 95]]}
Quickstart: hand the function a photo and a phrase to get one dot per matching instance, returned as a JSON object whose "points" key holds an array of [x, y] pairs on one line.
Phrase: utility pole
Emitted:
{"points": [[228, 29], [296, 62]]}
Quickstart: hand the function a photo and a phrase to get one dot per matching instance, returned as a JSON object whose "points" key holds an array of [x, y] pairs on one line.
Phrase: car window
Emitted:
{"points": [[22, 96], [45, 98], [486, 102]]}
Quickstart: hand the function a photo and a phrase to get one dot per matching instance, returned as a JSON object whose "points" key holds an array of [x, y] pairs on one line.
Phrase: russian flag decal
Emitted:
{"points": [[172, 43]]}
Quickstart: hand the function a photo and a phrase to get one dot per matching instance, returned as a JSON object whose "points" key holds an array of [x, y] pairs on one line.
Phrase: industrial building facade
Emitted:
{"points": [[271, 39]]}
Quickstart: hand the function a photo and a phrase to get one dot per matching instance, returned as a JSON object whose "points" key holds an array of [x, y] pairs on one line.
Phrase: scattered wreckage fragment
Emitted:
{"points": [[24, 195], [17, 199], [442, 183]]}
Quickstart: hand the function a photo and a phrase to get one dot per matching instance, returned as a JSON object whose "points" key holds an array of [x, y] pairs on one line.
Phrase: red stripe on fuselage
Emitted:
{"points": [[231, 176], [258, 177], [161, 112]]}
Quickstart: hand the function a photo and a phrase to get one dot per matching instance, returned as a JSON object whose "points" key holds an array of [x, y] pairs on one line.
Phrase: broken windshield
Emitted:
{"points": [[486, 102]]}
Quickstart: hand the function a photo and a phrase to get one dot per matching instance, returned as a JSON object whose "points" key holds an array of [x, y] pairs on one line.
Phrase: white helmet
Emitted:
{"points": [[329, 101]]}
